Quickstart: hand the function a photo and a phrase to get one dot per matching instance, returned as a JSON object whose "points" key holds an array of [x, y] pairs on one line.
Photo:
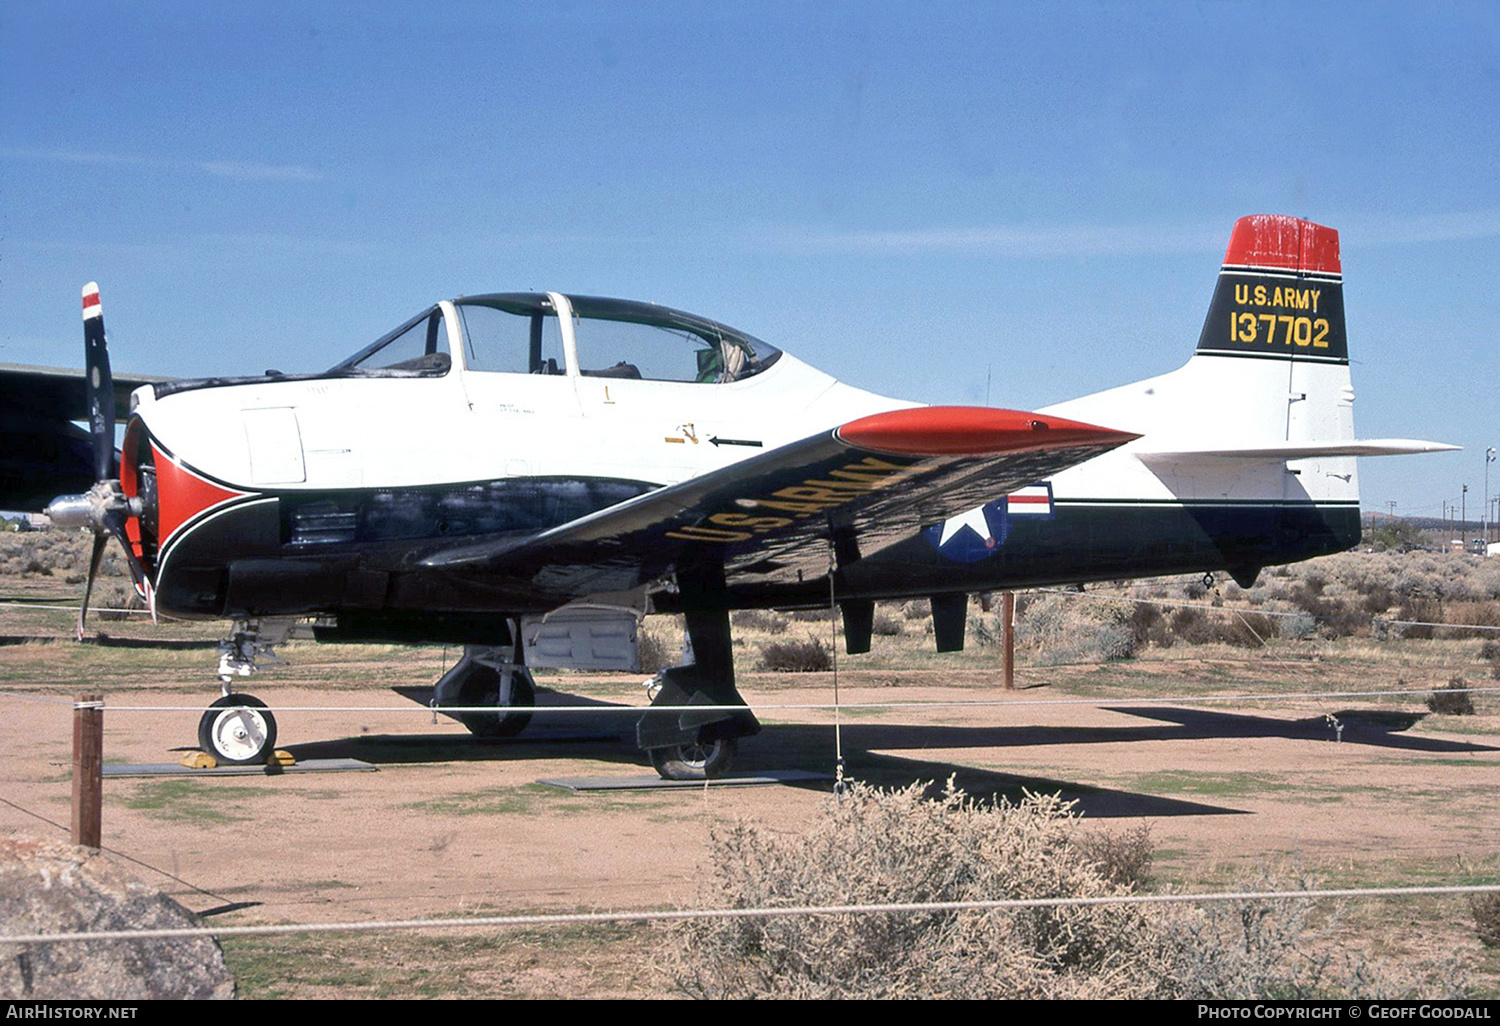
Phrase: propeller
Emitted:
{"points": [[104, 507]]}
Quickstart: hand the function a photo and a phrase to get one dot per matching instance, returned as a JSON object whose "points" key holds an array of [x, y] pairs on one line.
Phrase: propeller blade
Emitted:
{"points": [[99, 386], [100, 540]]}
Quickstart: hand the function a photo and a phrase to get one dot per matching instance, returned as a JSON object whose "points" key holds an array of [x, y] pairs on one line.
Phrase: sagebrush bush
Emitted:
{"points": [[1485, 909], [765, 620], [1123, 858], [795, 657], [899, 847], [655, 653], [1075, 629], [1452, 699]]}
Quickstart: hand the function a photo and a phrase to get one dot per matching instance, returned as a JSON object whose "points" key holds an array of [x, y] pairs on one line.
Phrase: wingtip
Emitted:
{"points": [[972, 431]]}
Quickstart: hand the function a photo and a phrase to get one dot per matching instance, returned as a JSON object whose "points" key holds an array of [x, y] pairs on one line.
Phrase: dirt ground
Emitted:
{"points": [[450, 825]]}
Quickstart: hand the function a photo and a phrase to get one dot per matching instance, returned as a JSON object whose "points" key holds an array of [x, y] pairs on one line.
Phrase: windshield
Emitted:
{"points": [[420, 346]]}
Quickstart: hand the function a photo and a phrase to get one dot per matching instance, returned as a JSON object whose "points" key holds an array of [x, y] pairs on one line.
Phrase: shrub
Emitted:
{"points": [[654, 651], [1124, 858], [886, 625], [795, 657], [760, 620], [1453, 699], [1297, 628], [890, 847], [1070, 629], [896, 846], [1486, 911]]}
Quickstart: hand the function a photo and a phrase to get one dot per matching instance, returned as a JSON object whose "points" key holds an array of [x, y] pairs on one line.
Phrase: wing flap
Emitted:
{"points": [[865, 485]]}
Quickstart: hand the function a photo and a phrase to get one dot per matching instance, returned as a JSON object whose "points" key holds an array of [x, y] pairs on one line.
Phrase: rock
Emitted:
{"points": [[49, 887]]}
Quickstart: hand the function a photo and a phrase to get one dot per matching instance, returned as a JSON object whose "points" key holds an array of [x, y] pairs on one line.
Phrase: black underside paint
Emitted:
{"points": [[244, 562]]}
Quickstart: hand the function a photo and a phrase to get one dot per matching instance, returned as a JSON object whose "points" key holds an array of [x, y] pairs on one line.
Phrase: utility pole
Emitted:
{"points": [[1463, 518], [1489, 457], [1390, 516]]}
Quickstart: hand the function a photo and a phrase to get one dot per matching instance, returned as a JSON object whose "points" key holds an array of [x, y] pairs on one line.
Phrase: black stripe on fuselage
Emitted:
{"points": [[240, 562], [292, 552]]}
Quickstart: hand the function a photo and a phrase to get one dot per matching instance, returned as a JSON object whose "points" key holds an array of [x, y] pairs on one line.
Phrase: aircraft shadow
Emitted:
{"points": [[868, 748]]}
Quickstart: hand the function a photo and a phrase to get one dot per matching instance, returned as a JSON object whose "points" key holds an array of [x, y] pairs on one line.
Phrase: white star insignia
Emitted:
{"points": [[974, 520]]}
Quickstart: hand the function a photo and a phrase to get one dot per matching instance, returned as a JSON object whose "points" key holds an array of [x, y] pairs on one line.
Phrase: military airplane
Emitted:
{"points": [[502, 462]]}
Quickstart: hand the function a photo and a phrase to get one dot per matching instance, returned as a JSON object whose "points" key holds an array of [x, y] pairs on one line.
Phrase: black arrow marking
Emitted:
{"points": [[735, 441]]}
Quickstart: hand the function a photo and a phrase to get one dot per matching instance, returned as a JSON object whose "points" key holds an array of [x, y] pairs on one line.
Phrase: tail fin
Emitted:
{"points": [[1268, 383], [1280, 293]]}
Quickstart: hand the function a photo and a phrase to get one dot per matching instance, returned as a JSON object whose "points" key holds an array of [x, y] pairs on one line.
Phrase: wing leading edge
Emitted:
{"points": [[862, 486]]}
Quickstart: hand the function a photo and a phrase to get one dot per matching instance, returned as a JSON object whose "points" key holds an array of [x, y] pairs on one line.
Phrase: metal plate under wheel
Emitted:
{"points": [[174, 769], [652, 782]]}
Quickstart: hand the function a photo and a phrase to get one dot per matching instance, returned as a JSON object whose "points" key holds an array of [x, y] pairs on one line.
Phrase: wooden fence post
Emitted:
{"points": [[88, 766], [1008, 636]]}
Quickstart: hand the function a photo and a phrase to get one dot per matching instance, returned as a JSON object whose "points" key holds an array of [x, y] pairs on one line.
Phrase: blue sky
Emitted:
{"points": [[914, 197]]}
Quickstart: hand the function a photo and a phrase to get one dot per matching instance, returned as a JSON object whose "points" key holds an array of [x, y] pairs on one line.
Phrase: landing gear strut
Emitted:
{"points": [[692, 744], [238, 729], [490, 675]]}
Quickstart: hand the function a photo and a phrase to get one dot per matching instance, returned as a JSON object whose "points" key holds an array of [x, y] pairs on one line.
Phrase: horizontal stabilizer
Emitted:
{"points": [[1306, 450]]}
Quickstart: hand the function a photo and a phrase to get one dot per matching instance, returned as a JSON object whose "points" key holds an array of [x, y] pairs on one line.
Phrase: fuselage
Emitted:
{"points": [[515, 413]]}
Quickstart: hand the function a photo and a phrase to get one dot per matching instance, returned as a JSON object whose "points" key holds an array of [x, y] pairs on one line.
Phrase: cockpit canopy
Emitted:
{"points": [[521, 333]]}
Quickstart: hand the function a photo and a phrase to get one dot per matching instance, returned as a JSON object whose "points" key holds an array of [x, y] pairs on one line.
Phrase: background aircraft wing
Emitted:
{"points": [[43, 454], [864, 485]]}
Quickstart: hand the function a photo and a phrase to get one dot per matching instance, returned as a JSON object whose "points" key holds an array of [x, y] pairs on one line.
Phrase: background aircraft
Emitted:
{"points": [[503, 460]]}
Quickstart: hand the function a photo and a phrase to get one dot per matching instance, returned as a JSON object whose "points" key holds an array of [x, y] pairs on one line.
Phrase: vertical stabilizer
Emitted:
{"points": [[1280, 293]]}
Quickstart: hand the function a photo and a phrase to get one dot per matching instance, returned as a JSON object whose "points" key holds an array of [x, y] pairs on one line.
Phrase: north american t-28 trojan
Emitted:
{"points": [[501, 463]]}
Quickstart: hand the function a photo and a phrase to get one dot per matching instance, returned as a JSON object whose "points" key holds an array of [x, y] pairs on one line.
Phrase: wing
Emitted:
{"points": [[42, 453], [771, 518]]}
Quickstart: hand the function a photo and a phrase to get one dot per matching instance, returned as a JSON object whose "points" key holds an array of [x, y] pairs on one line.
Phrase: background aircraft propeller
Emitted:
{"points": [[104, 507]]}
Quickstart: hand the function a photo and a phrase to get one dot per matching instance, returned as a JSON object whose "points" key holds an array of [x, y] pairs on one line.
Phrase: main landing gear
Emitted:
{"points": [[697, 744], [489, 676]]}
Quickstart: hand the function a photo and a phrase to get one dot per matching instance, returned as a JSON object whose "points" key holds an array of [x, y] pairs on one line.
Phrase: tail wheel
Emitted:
{"points": [[482, 687], [701, 760], [238, 730]]}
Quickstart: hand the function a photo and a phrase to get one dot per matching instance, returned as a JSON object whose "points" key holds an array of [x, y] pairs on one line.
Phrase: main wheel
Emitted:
{"points": [[482, 687], [238, 730], [702, 760]]}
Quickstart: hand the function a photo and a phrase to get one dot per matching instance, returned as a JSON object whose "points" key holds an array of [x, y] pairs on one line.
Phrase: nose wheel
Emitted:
{"points": [[238, 730]]}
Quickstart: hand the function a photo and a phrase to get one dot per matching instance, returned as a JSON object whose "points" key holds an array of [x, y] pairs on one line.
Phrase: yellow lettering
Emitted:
{"points": [[790, 507], [819, 495], [1315, 294], [1241, 292], [714, 534], [746, 520], [1260, 295]]}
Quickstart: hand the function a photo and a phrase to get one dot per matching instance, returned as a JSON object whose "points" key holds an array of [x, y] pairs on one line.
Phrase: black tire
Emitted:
{"points": [[482, 687], [238, 730], [703, 760]]}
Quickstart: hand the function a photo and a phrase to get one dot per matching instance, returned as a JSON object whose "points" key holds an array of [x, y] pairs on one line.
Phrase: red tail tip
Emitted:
{"points": [[91, 307], [1278, 240]]}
